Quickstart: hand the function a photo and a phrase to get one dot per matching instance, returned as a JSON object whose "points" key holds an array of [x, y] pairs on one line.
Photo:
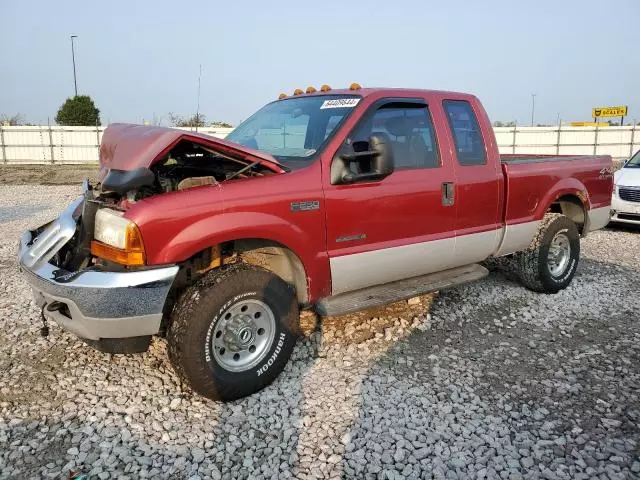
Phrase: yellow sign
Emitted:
{"points": [[609, 112], [588, 124]]}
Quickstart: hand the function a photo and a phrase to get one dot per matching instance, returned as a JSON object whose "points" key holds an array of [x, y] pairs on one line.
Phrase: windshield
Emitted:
{"points": [[634, 162], [293, 130]]}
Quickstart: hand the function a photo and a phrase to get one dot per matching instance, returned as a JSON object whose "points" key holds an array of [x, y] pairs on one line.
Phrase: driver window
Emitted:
{"points": [[409, 129]]}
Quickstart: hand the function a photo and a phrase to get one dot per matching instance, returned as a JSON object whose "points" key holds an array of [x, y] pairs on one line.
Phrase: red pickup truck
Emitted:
{"points": [[334, 200]]}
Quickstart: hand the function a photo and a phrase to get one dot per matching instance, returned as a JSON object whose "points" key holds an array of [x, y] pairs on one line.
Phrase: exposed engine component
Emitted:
{"points": [[196, 182], [169, 184], [187, 165]]}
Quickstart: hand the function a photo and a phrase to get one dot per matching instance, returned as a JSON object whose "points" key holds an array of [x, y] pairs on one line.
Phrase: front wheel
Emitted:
{"points": [[233, 332], [550, 262]]}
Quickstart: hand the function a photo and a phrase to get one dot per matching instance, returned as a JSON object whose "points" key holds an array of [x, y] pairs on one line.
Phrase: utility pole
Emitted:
{"points": [[533, 107], [73, 58], [198, 106]]}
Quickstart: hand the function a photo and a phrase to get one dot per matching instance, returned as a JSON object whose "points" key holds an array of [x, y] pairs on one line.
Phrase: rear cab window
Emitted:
{"points": [[466, 132]]}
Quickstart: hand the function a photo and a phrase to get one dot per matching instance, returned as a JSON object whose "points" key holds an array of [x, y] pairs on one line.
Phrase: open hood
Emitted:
{"points": [[129, 147]]}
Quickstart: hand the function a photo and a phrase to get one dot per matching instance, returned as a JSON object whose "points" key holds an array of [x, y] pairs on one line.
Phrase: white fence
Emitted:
{"points": [[619, 142], [63, 145], [69, 145]]}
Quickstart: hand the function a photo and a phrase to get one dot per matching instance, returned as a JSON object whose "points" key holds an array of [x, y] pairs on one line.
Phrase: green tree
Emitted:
{"points": [[78, 111]]}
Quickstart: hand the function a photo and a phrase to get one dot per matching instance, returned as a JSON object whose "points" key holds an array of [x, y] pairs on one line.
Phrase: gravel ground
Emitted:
{"points": [[484, 381]]}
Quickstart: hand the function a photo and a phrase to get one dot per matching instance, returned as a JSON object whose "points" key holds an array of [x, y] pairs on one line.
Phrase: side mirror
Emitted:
{"points": [[380, 156]]}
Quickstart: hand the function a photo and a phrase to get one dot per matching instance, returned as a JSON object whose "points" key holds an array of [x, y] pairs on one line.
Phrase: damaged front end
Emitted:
{"points": [[87, 268], [114, 311]]}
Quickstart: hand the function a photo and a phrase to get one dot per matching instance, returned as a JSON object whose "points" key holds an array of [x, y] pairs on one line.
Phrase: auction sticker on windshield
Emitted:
{"points": [[340, 103]]}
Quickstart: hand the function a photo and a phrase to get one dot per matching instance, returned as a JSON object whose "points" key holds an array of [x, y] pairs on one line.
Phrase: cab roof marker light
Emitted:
{"points": [[325, 88], [282, 95], [355, 86], [298, 91], [311, 89]]}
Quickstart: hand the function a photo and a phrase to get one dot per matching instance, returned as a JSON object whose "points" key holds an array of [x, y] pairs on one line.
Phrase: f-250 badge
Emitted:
{"points": [[304, 206]]}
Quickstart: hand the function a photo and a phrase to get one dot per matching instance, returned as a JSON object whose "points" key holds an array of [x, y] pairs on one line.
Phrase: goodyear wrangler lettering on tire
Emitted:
{"points": [[266, 366]]}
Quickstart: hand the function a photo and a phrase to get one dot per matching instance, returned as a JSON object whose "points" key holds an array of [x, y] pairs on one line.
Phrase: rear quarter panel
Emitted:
{"points": [[532, 186]]}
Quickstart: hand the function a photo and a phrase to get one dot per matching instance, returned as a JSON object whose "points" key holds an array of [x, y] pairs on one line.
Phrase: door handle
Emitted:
{"points": [[448, 194]]}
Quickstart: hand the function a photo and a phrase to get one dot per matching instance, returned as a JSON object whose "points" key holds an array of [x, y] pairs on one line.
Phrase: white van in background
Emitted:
{"points": [[625, 204]]}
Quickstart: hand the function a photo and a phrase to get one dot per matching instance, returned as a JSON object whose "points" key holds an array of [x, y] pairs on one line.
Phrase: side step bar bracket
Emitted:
{"points": [[379, 295]]}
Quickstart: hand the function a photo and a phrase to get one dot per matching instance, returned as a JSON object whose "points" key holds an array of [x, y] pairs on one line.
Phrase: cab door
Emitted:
{"points": [[479, 182], [398, 227]]}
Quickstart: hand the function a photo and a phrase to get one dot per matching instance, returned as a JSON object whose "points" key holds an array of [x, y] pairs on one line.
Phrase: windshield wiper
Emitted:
{"points": [[250, 166], [281, 165], [243, 169]]}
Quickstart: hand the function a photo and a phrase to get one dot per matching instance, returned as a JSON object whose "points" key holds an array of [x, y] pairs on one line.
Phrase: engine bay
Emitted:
{"points": [[186, 165]]}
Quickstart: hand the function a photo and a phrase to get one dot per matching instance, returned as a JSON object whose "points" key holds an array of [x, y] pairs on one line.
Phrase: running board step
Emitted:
{"points": [[379, 295]]}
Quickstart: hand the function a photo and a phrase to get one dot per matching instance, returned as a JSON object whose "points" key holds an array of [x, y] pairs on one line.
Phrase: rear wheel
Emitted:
{"points": [[550, 262], [233, 332]]}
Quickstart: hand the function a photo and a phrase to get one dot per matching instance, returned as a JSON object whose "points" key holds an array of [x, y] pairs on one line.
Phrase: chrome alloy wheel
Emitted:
{"points": [[243, 335], [559, 254]]}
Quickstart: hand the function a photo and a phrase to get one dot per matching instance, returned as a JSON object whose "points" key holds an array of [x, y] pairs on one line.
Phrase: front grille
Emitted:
{"points": [[629, 194], [629, 216]]}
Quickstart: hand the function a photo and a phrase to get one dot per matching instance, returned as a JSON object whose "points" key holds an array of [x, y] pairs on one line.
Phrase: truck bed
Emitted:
{"points": [[530, 179], [517, 158]]}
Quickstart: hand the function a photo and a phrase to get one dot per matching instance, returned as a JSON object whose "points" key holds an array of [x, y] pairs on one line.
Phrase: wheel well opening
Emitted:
{"points": [[276, 258], [572, 207]]}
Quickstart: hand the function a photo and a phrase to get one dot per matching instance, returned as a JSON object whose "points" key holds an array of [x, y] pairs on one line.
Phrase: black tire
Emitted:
{"points": [[200, 309], [532, 264]]}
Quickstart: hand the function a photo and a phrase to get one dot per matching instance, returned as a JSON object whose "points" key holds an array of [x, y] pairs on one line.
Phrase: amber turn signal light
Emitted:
{"points": [[117, 255]]}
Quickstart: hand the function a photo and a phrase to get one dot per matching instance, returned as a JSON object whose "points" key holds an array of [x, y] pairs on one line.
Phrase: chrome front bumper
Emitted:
{"points": [[99, 304]]}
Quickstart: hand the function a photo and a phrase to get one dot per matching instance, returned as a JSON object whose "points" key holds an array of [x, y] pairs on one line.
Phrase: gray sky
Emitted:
{"points": [[138, 59]]}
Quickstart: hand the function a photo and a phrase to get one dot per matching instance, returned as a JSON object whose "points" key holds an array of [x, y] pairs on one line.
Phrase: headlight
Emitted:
{"points": [[111, 228], [117, 239]]}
